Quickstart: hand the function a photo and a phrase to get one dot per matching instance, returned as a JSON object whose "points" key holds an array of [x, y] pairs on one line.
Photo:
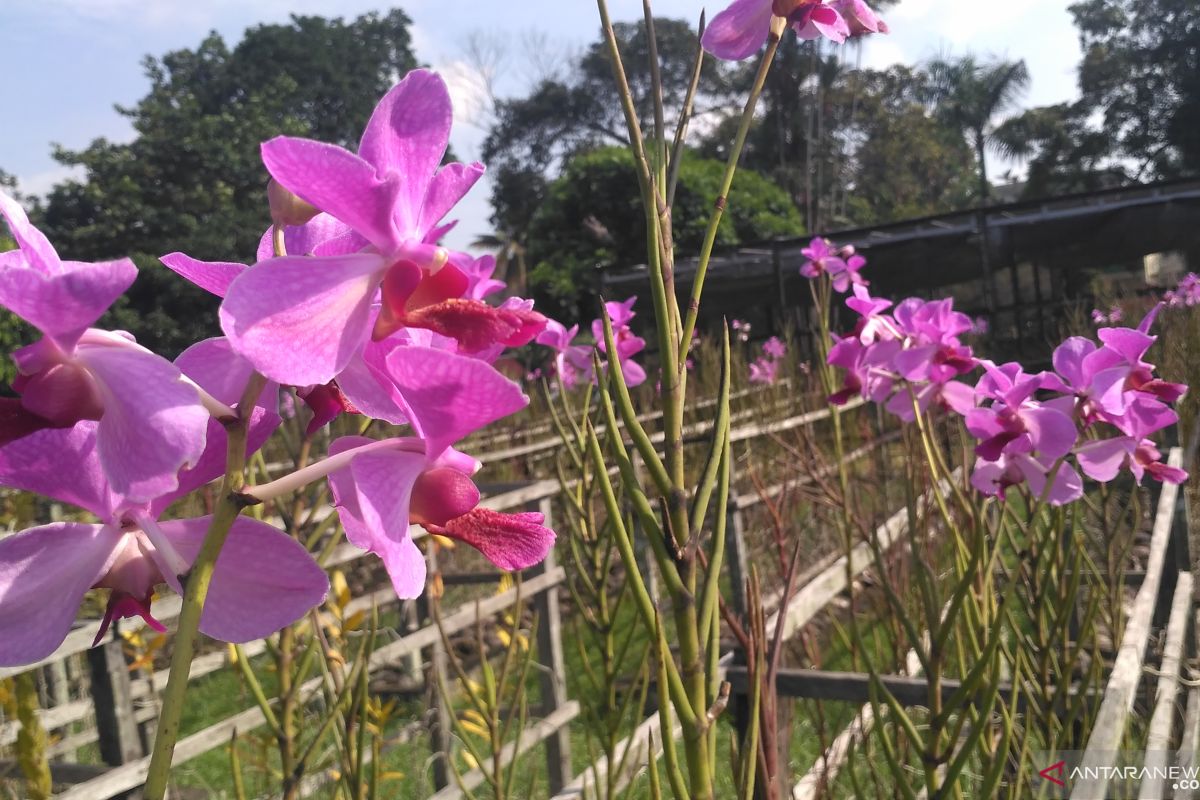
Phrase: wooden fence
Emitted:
{"points": [[124, 707]]}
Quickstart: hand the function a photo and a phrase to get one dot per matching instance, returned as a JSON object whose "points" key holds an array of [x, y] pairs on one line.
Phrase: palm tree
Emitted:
{"points": [[509, 249], [968, 95]]}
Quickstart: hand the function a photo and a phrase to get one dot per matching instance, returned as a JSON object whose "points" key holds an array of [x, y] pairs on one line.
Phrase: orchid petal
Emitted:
{"points": [[35, 247], [211, 276], [1069, 360], [510, 541], [62, 305], [372, 496], [263, 580], [44, 574], [153, 422], [323, 235], [62, 464], [449, 185], [339, 183], [407, 136], [1067, 485], [739, 31], [299, 320], [447, 396], [1102, 459]]}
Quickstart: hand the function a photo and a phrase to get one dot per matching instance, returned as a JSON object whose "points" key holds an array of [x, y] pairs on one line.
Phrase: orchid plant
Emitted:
{"points": [[353, 307]]}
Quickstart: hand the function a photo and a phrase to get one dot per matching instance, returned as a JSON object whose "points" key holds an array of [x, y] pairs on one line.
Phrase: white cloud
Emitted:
{"points": [[880, 52], [40, 183]]}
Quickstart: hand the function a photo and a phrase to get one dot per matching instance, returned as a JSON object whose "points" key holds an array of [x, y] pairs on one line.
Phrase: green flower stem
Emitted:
{"points": [[641, 440], [645, 604], [641, 505], [720, 438], [651, 201], [256, 690], [196, 584], [735, 154]]}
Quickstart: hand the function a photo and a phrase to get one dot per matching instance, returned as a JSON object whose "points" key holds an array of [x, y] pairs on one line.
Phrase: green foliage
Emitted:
{"points": [[192, 179], [908, 164], [579, 111], [590, 221], [13, 331], [1141, 71], [969, 94]]}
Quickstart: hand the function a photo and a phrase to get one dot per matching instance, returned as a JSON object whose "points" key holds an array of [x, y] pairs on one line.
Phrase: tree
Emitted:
{"points": [[968, 95], [192, 178], [1141, 74], [579, 110], [1064, 151], [905, 162], [591, 221]]}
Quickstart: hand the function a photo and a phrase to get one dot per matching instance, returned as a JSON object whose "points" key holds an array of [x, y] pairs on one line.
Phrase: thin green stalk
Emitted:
{"points": [[256, 690], [735, 154], [679, 696], [196, 584]]}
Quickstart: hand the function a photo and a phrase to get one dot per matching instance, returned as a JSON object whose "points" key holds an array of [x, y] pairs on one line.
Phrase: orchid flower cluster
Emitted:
{"points": [[1114, 314], [1099, 405], [740, 30], [352, 305], [1186, 293], [765, 368], [573, 362]]}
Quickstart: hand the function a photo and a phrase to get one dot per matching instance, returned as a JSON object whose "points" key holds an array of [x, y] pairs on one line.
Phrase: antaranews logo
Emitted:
{"points": [[1112, 775]]}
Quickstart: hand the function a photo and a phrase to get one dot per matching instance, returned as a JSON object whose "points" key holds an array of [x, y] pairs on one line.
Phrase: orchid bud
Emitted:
{"points": [[287, 208]]}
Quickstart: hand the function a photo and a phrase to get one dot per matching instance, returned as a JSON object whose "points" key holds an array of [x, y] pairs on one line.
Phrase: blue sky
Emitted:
{"points": [[67, 62]]}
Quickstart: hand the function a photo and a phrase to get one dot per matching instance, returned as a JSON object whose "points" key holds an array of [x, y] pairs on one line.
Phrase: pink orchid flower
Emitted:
{"points": [[300, 320], [362, 386], [151, 420], [572, 362], [742, 28], [822, 259], [774, 347], [479, 275], [1015, 422], [994, 477], [764, 371], [263, 579], [381, 487], [628, 343], [1102, 459], [1128, 348]]}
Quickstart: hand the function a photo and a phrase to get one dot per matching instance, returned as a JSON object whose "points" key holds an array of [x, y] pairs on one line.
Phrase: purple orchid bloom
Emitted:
{"points": [[151, 419], [1102, 459], [774, 347], [994, 477], [873, 325], [263, 579], [742, 28], [300, 320], [1015, 422], [822, 259], [764, 371], [572, 362], [1128, 348], [628, 343], [381, 487]]}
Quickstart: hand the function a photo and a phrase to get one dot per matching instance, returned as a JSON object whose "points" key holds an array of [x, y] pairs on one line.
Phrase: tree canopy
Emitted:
{"points": [[589, 221], [192, 179]]}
